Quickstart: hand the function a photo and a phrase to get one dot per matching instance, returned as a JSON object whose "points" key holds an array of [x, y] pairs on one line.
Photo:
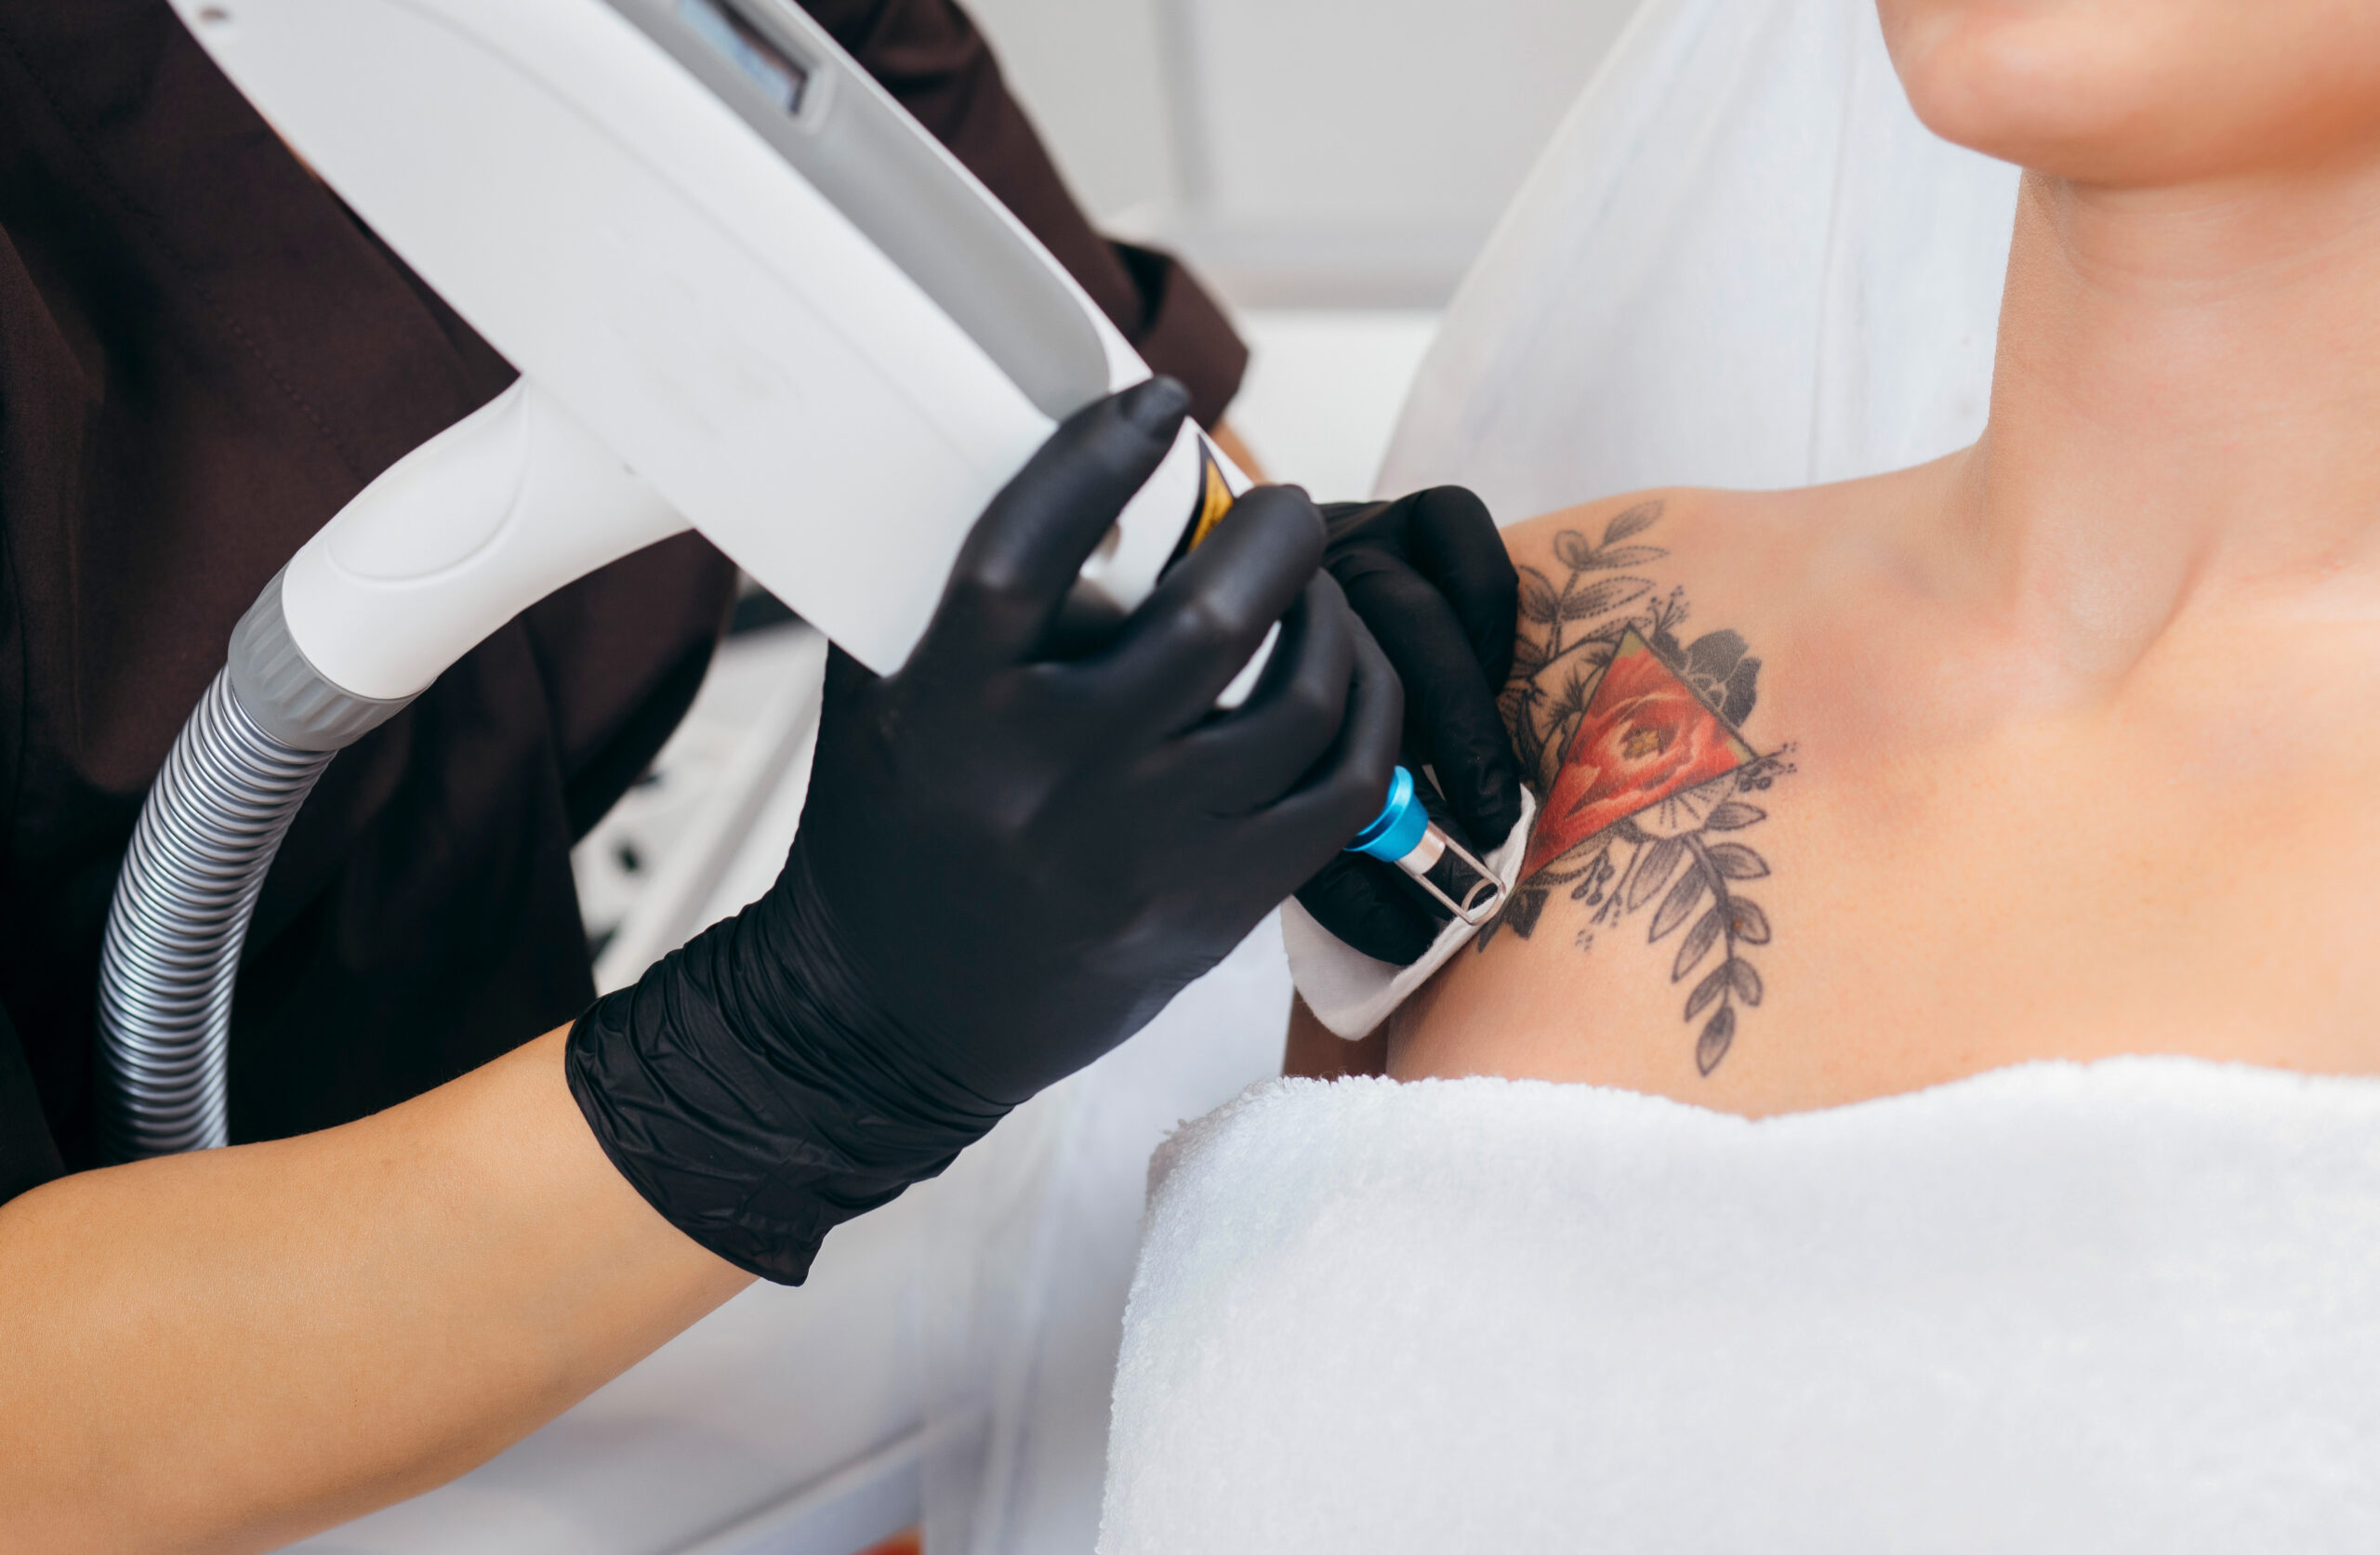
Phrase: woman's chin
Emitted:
{"points": [[2013, 87], [2138, 93]]}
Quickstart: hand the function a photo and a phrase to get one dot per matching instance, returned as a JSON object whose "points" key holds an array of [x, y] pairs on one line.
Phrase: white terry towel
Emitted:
{"points": [[2127, 1306]]}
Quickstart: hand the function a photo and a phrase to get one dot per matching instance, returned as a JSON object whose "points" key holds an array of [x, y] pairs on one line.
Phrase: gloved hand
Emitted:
{"points": [[1015, 851], [1428, 574]]}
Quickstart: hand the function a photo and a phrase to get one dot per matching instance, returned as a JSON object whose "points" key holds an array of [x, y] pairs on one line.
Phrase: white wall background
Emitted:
{"points": [[1303, 153]]}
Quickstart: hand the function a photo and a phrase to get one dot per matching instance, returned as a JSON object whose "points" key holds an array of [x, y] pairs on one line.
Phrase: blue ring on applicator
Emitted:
{"points": [[1399, 828]]}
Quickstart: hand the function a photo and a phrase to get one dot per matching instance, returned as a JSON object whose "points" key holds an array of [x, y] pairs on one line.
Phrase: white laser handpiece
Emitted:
{"points": [[746, 291], [747, 294]]}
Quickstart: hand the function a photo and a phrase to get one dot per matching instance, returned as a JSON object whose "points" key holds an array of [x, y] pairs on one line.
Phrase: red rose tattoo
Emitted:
{"points": [[1636, 743], [1644, 737]]}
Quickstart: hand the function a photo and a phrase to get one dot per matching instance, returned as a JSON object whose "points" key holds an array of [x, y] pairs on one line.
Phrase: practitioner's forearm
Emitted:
{"points": [[223, 1351]]}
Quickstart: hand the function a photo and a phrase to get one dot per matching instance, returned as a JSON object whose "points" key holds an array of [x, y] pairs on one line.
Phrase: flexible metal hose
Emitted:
{"points": [[207, 834]]}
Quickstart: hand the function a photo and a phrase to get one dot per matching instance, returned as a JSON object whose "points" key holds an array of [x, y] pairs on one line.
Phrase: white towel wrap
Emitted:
{"points": [[2127, 1306]]}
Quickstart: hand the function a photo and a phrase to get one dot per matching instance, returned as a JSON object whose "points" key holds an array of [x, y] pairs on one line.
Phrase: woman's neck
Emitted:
{"points": [[2186, 412]]}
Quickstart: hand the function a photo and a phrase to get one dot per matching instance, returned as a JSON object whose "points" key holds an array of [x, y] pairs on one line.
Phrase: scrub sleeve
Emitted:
{"points": [[202, 358]]}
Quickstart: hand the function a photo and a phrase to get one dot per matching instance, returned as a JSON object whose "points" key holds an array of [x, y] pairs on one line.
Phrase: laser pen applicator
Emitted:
{"points": [[1404, 834]]}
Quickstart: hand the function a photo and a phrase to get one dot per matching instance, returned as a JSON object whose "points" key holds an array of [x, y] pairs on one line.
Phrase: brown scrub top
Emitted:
{"points": [[203, 357]]}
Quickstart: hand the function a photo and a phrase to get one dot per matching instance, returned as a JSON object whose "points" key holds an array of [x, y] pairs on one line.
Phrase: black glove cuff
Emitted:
{"points": [[749, 1089]]}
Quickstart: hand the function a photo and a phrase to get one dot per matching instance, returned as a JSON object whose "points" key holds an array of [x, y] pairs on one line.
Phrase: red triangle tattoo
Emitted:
{"points": [[1644, 737]]}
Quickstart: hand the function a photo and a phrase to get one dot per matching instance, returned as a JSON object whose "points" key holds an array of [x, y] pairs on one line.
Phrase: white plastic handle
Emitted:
{"points": [[459, 537]]}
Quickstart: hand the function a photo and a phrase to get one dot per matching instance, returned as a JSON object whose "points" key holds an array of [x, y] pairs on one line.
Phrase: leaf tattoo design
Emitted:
{"points": [[1635, 739]]}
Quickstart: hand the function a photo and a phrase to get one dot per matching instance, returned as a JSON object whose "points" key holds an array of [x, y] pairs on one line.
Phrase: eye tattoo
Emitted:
{"points": [[1636, 742]]}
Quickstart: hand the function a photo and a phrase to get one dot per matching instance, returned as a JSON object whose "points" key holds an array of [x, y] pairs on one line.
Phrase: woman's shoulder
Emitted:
{"points": [[1703, 578], [1679, 564], [1675, 647], [1709, 531]]}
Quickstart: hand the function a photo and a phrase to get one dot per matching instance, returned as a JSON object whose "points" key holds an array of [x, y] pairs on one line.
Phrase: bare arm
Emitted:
{"points": [[225, 1352], [1315, 1052]]}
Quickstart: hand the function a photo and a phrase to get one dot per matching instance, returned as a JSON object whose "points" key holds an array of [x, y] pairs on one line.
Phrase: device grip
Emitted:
{"points": [[457, 538]]}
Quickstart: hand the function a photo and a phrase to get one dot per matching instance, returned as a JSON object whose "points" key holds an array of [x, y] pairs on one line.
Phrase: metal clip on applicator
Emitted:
{"points": [[1405, 836]]}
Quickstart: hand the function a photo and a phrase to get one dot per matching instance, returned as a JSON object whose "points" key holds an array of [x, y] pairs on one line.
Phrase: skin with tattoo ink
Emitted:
{"points": [[1822, 820], [1635, 736]]}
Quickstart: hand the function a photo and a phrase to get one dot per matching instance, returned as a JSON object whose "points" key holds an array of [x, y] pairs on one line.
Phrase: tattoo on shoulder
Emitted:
{"points": [[1635, 736]]}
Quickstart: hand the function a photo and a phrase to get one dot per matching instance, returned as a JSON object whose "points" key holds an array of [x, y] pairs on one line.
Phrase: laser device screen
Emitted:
{"points": [[767, 67]]}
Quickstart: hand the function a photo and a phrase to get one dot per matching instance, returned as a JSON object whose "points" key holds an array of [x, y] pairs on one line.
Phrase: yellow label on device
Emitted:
{"points": [[1207, 509], [1215, 501]]}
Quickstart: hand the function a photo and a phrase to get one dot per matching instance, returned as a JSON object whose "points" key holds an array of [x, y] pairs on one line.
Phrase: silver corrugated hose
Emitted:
{"points": [[207, 834]]}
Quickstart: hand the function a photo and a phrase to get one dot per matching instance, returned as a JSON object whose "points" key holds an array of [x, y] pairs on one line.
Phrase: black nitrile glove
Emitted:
{"points": [[1015, 851], [1428, 574]]}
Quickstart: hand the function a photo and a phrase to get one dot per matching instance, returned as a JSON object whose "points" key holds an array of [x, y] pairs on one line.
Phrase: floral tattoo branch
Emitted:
{"points": [[1634, 737]]}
